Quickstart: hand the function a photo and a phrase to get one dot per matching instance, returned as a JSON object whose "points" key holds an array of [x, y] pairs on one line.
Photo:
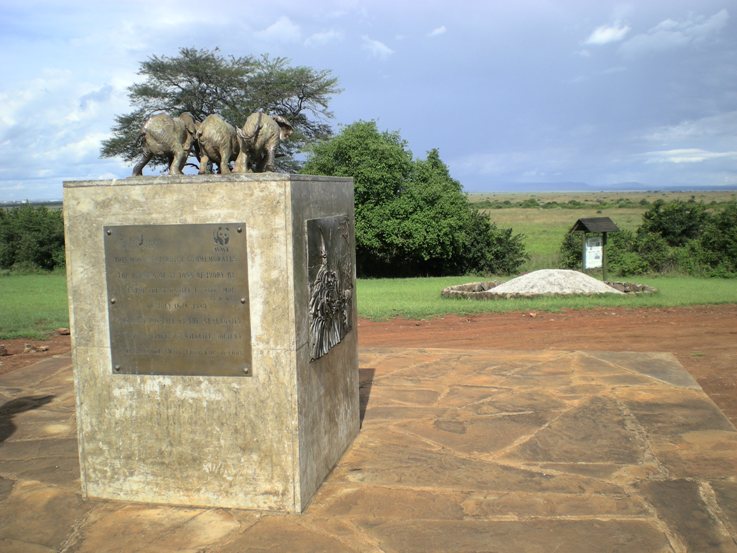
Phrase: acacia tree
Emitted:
{"points": [[204, 82]]}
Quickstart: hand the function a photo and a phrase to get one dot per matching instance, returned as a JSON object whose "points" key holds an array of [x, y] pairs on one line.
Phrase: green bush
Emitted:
{"points": [[718, 242], [412, 218], [490, 249], [530, 203], [31, 239], [674, 237], [571, 251], [654, 250], [623, 257], [677, 221], [627, 253]]}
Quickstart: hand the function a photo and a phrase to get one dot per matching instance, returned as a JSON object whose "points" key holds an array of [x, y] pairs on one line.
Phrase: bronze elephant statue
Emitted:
{"points": [[258, 140], [172, 137], [218, 143]]}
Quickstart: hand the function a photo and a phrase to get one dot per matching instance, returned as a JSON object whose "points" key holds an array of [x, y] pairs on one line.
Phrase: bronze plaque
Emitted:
{"points": [[178, 299]]}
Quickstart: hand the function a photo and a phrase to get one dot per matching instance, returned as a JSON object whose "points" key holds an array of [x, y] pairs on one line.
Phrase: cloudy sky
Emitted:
{"points": [[553, 91]]}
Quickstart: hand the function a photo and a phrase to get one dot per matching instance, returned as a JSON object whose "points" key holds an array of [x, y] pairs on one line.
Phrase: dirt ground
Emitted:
{"points": [[704, 339]]}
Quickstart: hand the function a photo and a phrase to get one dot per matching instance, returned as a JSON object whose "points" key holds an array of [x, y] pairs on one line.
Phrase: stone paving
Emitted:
{"points": [[475, 451]]}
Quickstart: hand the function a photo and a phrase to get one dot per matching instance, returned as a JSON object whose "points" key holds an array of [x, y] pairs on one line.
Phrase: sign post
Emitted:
{"points": [[594, 247]]}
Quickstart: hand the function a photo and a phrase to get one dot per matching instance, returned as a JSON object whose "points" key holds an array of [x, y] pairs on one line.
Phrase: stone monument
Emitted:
{"points": [[213, 336]]}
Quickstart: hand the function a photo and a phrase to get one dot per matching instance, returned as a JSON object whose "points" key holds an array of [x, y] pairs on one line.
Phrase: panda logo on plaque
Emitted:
{"points": [[222, 236]]}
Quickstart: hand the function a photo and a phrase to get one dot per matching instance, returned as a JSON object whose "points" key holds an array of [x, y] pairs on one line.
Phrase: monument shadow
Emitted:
{"points": [[365, 381], [19, 405]]}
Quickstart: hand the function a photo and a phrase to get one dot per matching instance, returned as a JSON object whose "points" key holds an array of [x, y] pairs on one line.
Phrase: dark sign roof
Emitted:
{"points": [[595, 224]]}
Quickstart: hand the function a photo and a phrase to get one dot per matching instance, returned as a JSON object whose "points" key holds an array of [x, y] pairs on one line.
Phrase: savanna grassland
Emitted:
{"points": [[545, 218]]}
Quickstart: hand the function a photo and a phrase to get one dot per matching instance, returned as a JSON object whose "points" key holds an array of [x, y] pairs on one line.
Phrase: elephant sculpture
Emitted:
{"points": [[172, 137], [258, 140], [218, 143]]}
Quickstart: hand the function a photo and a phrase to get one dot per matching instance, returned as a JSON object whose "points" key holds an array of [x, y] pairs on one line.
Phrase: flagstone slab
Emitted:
{"points": [[595, 431], [540, 536], [683, 505]]}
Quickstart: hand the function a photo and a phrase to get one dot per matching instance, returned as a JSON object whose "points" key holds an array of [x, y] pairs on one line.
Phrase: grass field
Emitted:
{"points": [[419, 298], [33, 306]]}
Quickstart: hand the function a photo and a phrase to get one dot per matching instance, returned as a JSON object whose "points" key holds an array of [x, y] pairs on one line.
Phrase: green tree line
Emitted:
{"points": [[31, 239]]}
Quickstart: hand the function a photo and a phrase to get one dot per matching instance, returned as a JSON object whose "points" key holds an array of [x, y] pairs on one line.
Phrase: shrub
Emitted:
{"points": [[718, 241], [627, 253], [655, 252], [571, 251], [622, 255], [679, 236], [677, 222], [491, 250], [530, 203]]}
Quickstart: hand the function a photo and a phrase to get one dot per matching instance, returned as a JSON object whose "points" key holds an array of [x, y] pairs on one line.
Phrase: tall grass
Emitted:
{"points": [[32, 306]]}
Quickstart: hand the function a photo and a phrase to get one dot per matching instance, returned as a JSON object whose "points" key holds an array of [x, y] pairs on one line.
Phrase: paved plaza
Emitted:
{"points": [[459, 451]]}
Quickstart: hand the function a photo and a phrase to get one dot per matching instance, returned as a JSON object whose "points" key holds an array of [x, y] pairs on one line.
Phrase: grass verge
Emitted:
{"points": [[419, 298], [32, 306]]}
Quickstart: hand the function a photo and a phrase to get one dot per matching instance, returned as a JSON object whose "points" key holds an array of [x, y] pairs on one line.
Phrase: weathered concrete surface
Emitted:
{"points": [[511, 452], [262, 442]]}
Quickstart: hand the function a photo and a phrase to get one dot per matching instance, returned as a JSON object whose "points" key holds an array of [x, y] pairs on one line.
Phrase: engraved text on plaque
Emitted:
{"points": [[178, 299]]}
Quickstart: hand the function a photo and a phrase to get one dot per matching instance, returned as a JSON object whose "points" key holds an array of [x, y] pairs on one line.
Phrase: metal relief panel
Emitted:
{"points": [[178, 299], [330, 276]]}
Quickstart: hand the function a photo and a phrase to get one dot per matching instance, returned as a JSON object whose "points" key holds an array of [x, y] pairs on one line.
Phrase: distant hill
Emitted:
{"points": [[542, 187]]}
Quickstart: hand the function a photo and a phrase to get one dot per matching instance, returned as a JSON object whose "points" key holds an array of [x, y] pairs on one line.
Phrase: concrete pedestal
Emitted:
{"points": [[262, 437]]}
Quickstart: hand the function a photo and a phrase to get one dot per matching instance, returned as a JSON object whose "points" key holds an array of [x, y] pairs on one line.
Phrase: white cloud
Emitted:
{"points": [[376, 48], [719, 128], [437, 31], [86, 148], [606, 34], [685, 155], [282, 30], [96, 96], [323, 38], [670, 34]]}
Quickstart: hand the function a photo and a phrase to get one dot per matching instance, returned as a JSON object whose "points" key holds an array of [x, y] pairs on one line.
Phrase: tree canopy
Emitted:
{"points": [[677, 221], [31, 238], [204, 82], [412, 218]]}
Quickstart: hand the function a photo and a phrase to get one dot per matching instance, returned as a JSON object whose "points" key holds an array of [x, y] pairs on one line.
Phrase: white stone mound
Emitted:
{"points": [[553, 282]]}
